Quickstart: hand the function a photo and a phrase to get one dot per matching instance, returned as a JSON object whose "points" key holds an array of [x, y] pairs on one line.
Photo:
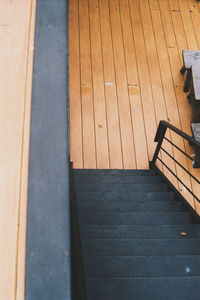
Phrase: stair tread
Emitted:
{"points": [[132, 218], [79, 179], [141, 231], [124, 187], [137, 266], [137, 206], [143, 288], [127, 196], [123, 247]]}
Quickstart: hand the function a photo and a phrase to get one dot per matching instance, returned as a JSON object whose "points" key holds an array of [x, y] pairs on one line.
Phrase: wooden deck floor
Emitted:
{"points": [[17, 19], [124, 62]]}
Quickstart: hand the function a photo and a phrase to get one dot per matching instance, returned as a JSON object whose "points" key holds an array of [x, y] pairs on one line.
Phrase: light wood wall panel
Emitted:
{"points": [[16, 44]]}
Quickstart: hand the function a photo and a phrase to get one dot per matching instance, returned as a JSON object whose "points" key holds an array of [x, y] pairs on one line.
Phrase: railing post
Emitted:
{"points": [[159, 138]]}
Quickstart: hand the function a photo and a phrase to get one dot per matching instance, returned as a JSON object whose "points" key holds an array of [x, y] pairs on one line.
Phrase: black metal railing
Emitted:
{"points": [[160, 137]]}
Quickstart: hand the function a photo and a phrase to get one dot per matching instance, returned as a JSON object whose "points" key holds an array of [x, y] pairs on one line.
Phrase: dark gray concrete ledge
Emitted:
{"points": [[48, 246]]}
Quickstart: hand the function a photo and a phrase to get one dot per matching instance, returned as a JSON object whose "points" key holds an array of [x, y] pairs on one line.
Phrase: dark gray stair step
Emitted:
{"points": [[115, 187], [115, 172], [135, 218], [79, 179], [144, 288], [125, 196], [140, 231], [137, 266], [131, 247], [137, 206]]}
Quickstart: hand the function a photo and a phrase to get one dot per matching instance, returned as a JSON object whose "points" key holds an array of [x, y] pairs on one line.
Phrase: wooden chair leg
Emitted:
{"points": [[187, 81], [182, 70]]}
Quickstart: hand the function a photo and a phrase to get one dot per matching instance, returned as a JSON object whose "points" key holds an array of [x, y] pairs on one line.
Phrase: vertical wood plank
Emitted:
{"points": [[144, 77], [156, 81], [98, 88], [88, 121], [20, 280], [14, 93], [114, 132], [133, 88], [75, 111], [122, 88]]}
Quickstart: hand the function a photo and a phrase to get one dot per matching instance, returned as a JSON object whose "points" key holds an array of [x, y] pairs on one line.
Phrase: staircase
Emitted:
{"points": [[139, 242]]}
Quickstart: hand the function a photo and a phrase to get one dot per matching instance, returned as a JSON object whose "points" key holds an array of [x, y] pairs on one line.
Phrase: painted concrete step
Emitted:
{"points": [[135, 218], [125, 196], [137, 266], [115, 187], [98, 179], [115, 172], [131, 247], [140, 231], [136, 206], [141, 288]]}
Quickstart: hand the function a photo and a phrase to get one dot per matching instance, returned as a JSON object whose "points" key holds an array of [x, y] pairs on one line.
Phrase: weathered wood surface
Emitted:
{"points": [[190, 58], [196, 80]]}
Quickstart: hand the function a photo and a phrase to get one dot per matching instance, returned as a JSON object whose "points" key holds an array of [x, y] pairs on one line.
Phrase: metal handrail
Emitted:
{"points": [[160, 136]]}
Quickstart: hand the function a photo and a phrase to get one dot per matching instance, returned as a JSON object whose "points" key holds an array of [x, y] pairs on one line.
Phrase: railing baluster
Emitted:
{"points": [[160, 136], [162, 130]]}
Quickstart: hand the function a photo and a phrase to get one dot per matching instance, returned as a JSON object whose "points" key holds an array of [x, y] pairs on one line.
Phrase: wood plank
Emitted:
{"points": [[114, 133], [102, 152], [88, 121], [75, 112], [156, 82], [134, 89], [188, 25], [122, 88], [195, 14], [14, 86], [179, 31], [144, 77], [20, 265]]}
